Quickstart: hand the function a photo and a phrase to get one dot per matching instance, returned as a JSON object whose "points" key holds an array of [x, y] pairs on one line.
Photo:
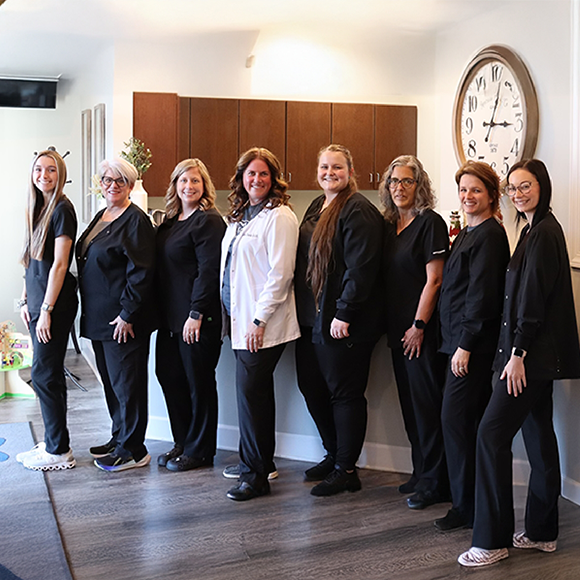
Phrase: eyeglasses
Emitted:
{"points": [[406, 182], [106, 181], [523, 187]]}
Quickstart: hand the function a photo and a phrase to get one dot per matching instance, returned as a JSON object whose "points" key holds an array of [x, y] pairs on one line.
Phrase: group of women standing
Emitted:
{"points": [[452, 318]]}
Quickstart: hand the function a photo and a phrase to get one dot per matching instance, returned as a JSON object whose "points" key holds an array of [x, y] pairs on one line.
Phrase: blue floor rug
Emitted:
{"points": [[30, 542]]}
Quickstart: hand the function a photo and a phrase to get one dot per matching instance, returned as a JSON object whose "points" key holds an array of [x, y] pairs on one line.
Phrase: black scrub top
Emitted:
{"points": [[188, 268], [305, 305], [405, 258], [62, 223]]}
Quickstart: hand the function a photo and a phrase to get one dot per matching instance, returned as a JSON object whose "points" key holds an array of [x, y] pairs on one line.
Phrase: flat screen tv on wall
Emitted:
{"points": [[28, 93]]}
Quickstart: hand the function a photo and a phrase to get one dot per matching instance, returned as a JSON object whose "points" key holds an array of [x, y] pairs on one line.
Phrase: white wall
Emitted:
{"points": [[540, 32]]}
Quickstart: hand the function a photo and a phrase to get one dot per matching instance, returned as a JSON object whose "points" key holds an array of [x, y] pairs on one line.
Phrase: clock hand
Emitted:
{"points": [[490, 125]]}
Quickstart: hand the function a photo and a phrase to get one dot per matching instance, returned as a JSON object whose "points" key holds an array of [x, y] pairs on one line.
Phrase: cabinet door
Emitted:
{"points": [[214, 137], [395, 134], [307, 131], [156, 123], [263, 124], [354, 127]]}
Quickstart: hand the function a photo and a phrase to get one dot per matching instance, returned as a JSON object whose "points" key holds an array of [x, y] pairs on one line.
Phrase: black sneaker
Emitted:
{"points": [[338, 481], [175, 452], [118, 463], [321, 470], [454, 520], [185, 463], [102, 450], [234, 472]]}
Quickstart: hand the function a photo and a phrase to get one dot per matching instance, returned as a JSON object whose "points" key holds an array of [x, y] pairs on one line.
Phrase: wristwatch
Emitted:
{"points": [[420, 324], [195, 315], [519, 352], [259, 323], [47, 307]]}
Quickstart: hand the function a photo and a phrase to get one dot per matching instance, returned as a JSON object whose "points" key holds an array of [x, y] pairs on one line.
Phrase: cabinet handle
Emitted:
{"points": [[378, 177], [371, 177], [289, 177]]}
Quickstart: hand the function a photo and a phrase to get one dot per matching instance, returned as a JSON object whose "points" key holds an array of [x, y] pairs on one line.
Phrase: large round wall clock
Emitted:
{"points": [[495, 114]]}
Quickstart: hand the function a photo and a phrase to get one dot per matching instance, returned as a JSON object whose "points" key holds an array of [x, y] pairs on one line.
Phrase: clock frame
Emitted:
{"points": [[501, 155]]}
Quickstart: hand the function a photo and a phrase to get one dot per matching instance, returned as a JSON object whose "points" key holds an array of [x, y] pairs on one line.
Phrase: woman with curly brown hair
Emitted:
{"points": [[257, 265], [339, 303], [188, 344]]}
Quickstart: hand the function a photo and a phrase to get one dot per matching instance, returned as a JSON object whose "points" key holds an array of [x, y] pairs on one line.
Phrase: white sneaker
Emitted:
{"points": [[481, 557], [40, 447], [522, 541], [43, 461]]}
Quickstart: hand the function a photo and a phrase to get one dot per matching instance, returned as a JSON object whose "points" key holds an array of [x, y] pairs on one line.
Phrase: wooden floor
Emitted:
{"points": [[153, 524]]}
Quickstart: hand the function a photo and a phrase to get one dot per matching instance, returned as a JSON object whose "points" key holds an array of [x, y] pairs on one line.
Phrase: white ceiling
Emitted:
{"points": [[164, 18]]}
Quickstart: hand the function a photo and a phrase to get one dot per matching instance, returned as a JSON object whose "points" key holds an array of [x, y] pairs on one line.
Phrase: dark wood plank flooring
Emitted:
{"points": [[150, 523]]}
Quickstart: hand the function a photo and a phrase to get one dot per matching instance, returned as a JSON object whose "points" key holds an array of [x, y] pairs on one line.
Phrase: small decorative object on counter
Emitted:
{"points": [[454, 226], [140, 157]]}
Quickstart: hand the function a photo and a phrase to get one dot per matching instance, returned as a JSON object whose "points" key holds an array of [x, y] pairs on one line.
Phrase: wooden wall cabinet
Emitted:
{"points": [[218, 131], [213, 136]]}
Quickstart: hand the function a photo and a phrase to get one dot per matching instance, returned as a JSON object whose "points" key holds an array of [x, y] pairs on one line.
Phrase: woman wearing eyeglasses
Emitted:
{"points": [[415, 250], [470, 313], [115, 257], [538, 343]]}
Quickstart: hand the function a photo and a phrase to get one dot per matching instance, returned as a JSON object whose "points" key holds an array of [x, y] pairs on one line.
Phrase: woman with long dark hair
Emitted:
{"points": [[189, 337], [538, 343], [339, 304], [257, 265], [416, 246], [49, 304], [470, 312]]}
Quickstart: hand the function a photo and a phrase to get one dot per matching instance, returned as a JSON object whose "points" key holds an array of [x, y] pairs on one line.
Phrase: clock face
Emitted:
{"points": [[495, 111]]}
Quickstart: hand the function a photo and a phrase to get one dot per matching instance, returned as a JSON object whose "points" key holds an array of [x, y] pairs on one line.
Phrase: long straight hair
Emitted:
{"points": [[321, 245], [39, 213]]}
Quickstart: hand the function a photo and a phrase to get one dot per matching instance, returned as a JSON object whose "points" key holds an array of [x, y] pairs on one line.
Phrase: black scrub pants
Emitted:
{"points": [[123, 370], [464, 402], [420, 386], [345, 368], [186, 373], [314, 389], [256, 413], [494, 510], [49, 381]]}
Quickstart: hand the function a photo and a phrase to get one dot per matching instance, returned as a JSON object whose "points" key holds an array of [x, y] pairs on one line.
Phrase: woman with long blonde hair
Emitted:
{"points": [[188, 343], [49, 303]]}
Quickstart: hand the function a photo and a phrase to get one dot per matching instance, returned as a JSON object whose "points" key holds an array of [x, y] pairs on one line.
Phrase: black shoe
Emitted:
{"points": [[244, 491], [321, 470], [337, 481], [118, 463], [102, 450], [454, 520], [422, 499], [234, 472], [408, 486], [175, 452], [185, 463]]}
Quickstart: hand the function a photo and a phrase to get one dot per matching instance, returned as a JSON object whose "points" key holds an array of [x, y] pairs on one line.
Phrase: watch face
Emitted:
{"points": [[496, 111]]}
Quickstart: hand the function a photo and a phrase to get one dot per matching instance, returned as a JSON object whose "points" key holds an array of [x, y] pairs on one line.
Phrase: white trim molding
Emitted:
{"points": [[574, 217]]}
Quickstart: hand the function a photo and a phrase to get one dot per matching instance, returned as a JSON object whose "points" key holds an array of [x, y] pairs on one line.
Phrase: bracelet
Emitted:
{"points": [[20, 303], [47, 307]]}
